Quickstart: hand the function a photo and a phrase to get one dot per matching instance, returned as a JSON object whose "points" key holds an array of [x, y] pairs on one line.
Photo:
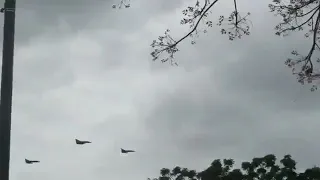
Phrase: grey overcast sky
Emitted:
{"points": [[83, 70]]}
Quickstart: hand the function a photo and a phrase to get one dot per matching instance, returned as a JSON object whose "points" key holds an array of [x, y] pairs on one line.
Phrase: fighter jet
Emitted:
{"points": [[31, 161], [126, 151], [82, 142]]}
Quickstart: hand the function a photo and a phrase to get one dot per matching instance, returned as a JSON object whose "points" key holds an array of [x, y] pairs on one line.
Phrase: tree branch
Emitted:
{"points": [[197, 24], [291, 14], [194, 16], [299, 26]]}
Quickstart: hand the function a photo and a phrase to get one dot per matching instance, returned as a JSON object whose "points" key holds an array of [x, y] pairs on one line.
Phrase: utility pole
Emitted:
{"points": [[6, 86]]}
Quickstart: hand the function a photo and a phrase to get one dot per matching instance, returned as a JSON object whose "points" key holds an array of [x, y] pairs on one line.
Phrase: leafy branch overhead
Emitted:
{"points": [[297, 15], [300, 15], [193, 16], [260, 168]]}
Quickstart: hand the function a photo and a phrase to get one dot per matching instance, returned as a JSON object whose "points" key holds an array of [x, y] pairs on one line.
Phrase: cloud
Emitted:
{"points": [[72, 16], [243, 102], [90, 76]]}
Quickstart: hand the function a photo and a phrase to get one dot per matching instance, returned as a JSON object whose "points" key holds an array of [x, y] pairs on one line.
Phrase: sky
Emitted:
{"points": [[83, 70]]}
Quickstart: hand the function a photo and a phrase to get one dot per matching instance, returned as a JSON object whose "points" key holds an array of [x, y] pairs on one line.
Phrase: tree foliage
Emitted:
{"points": [[296, 15], [234, 26], [300, 15], [259, 168]]}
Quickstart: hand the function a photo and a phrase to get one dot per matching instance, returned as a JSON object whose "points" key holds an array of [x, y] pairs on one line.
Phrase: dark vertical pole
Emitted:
{"points": [[6, 86]]}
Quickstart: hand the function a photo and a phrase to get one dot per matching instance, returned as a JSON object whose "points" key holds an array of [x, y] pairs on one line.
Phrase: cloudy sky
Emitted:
{"points": [[83, 70]]}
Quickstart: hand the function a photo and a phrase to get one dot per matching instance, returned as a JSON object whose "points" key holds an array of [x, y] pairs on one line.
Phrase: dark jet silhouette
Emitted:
{"points": [[126, 151], [82, 142], [31, 162]]}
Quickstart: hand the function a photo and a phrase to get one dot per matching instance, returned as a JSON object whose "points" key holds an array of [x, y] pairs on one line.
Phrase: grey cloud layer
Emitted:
{"points": [[36, 17], [91, 77], [242, 104]]}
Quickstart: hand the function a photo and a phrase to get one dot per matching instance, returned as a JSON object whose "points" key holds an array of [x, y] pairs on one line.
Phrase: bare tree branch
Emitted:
{"points": [[203, 13], [171, 47], [297, 15], [195, 15], [297, 11]]}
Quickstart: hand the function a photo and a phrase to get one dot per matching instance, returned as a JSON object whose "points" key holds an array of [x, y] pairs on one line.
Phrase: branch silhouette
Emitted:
{"points": [[195, 15], [302, 66]]}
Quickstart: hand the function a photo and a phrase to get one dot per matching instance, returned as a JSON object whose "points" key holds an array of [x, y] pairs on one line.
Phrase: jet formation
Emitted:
{"points": [[79, 142]]}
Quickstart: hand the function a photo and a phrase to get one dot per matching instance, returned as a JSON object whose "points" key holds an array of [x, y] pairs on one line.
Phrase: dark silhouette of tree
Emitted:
{"points": [[297, 15], [262, 168]]}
